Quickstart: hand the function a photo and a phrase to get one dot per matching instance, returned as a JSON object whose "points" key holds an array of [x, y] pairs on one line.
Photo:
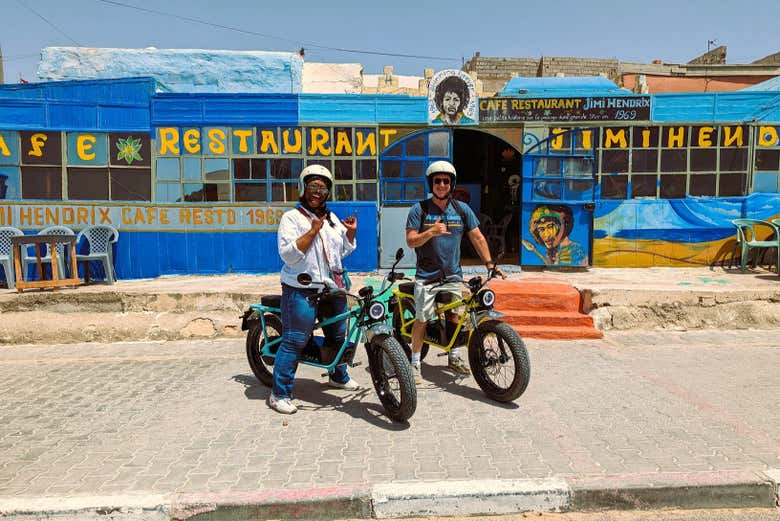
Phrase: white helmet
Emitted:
{"points": [[441, 167], [312, 171]]}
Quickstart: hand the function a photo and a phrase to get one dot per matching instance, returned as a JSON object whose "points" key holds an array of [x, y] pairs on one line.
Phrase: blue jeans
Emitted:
{"points": [[298, 318]]}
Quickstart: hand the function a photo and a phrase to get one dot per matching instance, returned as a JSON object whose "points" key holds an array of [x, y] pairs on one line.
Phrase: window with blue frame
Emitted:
{"points": [[562, 170], [402, 166], [767, 160]]}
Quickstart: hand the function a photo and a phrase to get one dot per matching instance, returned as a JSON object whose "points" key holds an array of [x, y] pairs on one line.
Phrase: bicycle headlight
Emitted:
{"points": [[376, 310], [487, 298]]}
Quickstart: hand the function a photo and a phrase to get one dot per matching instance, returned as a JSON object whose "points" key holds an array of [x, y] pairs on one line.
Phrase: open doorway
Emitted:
{"points": [[489, 180]]}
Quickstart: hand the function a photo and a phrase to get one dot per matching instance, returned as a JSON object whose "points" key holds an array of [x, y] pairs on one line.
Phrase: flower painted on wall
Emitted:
{"points": [[128, 150]]}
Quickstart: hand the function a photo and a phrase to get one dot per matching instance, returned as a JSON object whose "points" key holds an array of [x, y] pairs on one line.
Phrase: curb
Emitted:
{"points": [[643, 491]]}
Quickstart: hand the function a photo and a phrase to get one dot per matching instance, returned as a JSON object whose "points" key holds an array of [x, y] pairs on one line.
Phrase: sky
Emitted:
{"points": [[421, 34]]}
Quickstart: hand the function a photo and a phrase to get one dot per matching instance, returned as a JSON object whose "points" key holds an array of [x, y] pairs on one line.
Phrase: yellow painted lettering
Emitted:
{"points": [[192, 140], [292, 148], [105, 217], [169, 141], [164, 219], [36, 142], [675, 137], [614, 136], [386, 134], [319, 141], [25, 215], [217, 140], [557, 142], [84, 144], [343, 144], [587, 136], [243, 139], [268, 142], [52, 215], [4, 150], [82, 215], [185, 216], [705, 136], [733, 134], [126, 216], [645, 138], [39, 218]]}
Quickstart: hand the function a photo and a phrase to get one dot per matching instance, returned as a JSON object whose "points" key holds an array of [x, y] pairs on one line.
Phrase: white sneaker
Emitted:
{"points": [[349, 385], [417, 374], [282, 405]]}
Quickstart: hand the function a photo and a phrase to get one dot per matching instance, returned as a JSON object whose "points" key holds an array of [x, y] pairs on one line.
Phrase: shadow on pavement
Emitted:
{"points": [[450, 382], [313, 395]]}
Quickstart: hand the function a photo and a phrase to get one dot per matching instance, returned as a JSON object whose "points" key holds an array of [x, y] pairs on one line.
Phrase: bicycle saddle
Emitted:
{"points": [[272, 301]]}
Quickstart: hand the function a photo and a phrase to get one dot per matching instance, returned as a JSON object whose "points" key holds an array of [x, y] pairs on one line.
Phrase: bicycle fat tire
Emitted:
{"points": [[484, 361], [255, 340], [388, 364]]}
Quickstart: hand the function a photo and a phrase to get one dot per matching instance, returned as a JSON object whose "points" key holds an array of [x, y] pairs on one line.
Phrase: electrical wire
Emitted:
{"points": [[264, 35], [39, 15]]}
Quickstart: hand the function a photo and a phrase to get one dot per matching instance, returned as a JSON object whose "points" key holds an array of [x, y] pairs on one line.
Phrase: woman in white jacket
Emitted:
{"points": [[314, 241]]}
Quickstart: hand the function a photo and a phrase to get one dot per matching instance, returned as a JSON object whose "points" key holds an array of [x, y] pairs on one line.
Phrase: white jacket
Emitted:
{"points": [[294, 224]]}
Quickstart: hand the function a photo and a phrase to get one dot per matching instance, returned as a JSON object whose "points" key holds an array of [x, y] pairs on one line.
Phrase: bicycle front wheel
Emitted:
{"points": [[392, 377], [499, 361]]}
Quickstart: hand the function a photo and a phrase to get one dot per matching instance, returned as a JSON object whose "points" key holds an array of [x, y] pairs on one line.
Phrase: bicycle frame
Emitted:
{"points": [[406, 325], [354, 331]]}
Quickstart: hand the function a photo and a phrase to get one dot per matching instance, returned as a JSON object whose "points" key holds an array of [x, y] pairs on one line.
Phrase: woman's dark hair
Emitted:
{"points": [[452, 84]]}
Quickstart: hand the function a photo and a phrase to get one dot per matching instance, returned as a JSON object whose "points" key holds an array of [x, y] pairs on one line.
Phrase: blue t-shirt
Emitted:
{"points": [[440, 256]]}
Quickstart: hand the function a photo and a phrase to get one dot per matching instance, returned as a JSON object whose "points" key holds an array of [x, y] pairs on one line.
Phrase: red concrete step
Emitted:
{"points": [[536, 294], [558, 333], [543, 308], [546, 318]]}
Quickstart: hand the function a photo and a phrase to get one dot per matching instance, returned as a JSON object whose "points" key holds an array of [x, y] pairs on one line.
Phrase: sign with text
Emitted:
{"points": [[615, 108], [143, 217]]}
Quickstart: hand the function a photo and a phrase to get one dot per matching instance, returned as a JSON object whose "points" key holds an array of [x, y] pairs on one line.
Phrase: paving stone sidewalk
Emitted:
{"points": [[189, 417]]}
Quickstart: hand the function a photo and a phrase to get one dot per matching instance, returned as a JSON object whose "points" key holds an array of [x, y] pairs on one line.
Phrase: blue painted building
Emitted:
{"points": [[577, 171]]}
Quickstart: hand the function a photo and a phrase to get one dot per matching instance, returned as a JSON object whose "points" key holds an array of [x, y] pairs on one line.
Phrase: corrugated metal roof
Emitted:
{"points": [[98, 105], [521, 87], [224, 109], [713, 106], [772, 84]]}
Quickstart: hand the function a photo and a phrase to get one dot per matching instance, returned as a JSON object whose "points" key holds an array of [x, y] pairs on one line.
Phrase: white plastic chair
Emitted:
{"points": [[99, 239], [7, 253], [28, 259]]}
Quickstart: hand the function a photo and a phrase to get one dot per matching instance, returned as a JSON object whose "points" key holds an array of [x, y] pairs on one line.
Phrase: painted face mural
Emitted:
{"points": [[452, 99], [550, 226]]}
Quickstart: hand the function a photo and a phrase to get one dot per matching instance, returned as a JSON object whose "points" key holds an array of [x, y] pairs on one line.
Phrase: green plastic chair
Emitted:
{"points": [[747, 239]]}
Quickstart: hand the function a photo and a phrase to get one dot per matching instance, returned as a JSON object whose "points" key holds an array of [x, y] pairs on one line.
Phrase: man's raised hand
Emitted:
{"points": [[439, 228]]}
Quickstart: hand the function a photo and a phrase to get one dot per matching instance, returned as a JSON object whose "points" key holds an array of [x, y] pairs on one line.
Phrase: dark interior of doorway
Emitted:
{"points": [[491, 170]]}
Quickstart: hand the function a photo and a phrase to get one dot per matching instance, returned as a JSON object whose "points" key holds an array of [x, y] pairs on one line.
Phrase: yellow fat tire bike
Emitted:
{"points": [[497, 355]]}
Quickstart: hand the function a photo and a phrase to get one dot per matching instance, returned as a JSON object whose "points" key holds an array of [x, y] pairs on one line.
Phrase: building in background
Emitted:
{"points": [[571, 171], [706, 73]]}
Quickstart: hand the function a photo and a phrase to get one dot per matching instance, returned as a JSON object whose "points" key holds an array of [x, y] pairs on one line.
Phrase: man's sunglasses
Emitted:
{"points": [[441, 180]]}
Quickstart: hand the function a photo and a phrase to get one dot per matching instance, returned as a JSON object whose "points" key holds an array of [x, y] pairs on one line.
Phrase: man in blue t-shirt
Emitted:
{"points": [[437, 242]]}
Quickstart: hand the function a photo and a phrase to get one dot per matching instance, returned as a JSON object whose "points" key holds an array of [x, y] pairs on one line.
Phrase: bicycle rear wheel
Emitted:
{"points": [[254, 347]]}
